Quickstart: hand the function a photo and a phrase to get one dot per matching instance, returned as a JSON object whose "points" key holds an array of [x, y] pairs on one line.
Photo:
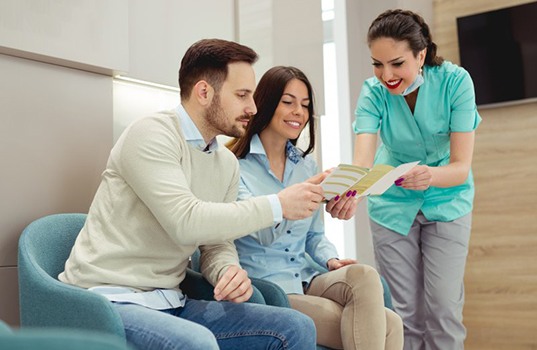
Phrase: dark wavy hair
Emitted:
{"points": [[208, 60], [267, 96], [403, 25]]}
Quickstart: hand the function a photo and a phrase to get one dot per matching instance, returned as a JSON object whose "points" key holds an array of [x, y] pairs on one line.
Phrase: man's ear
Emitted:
{"points": [[203, 92]]}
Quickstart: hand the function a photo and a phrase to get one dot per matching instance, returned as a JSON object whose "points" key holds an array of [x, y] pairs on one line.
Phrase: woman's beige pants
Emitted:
{"points": [[347, 307]]}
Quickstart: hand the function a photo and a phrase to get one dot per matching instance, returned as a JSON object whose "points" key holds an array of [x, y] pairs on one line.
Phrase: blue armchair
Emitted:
{"points": [[53, 339], [44, 246]]}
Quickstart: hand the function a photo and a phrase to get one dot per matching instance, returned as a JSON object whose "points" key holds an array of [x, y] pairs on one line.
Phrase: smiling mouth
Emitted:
{"points": [[393, 84], [293, 124]]}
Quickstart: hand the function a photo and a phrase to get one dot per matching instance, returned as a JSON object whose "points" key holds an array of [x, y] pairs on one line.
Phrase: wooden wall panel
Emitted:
{"points": [[501, 273]]}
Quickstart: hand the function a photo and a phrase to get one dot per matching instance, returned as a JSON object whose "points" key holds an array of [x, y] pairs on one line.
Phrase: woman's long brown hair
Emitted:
{"points": [[267, 97]]}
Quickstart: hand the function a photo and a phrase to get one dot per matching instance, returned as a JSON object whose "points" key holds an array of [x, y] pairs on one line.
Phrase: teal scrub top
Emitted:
{"points": [[445, 104]]}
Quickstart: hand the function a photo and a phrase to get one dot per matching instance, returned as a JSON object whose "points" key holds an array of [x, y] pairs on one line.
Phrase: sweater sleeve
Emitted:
{"points": [[150, 162], [215, 258]]}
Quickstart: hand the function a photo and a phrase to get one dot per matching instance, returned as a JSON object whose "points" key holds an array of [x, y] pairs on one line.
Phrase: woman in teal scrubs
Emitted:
{"points": [[423, 108]]}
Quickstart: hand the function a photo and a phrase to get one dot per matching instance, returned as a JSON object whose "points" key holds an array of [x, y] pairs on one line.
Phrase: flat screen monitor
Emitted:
{"points": [[499, 50]]}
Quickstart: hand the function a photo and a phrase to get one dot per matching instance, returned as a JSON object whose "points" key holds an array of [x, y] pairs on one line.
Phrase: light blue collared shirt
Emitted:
{"points": [[162, 299], [277, 253], [192, 134]]}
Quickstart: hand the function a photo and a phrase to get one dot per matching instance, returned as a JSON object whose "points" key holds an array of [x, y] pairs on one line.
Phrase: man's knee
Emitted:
{"points": [[305, 337], [199, 342]]}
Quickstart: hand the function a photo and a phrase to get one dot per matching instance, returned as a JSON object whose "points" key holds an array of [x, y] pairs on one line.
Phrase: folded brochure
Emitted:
{"points": [[365, 181]]}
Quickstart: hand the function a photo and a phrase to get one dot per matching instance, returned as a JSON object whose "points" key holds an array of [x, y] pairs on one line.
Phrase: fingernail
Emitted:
{"points": [[398, 181], [354, 193], [336, 198], [349, 193]]}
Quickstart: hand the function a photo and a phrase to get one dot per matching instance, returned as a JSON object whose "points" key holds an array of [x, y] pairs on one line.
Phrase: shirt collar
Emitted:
{"points": [[256, 147], [293, 153], [191, 132]]}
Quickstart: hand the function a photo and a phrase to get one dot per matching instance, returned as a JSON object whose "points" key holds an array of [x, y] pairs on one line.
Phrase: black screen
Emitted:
{"points": [[499, 50]]}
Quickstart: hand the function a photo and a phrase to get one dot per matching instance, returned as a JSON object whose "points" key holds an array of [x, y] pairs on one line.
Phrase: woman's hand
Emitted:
{"points": [[343, 207], [417, 178], [334, 264]]}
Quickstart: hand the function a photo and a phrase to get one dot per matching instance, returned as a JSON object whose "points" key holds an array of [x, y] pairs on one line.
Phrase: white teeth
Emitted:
{"points": [[296, 124], [391, 83]]}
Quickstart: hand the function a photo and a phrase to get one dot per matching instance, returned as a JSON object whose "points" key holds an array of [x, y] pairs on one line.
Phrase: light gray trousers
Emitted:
{"points": [[425, 272]]}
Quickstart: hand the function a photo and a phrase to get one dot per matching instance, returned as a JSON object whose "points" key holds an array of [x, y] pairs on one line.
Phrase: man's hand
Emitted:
{"points": [[343, 207], [334, 264], [301, 200], [234, 286]]}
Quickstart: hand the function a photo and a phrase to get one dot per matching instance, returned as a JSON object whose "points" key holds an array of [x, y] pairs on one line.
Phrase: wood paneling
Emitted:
{"points": [[501, 274]]}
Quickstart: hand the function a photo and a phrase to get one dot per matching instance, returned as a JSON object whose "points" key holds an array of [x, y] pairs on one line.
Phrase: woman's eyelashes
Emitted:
{"points": [[396, 64], [290, 103]]}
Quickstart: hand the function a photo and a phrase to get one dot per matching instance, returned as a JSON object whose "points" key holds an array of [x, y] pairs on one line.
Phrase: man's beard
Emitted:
{"points": [[217, 119]]}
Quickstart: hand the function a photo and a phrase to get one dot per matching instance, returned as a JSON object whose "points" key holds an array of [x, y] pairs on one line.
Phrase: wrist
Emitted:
{"points": [[328, 262]]}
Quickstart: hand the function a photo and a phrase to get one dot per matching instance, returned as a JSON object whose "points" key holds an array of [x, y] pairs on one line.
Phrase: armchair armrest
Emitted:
{"points": [[195, 286], [50, 304], [271, 292]]}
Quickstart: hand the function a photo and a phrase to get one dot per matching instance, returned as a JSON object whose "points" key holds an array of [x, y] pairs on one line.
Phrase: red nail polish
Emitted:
{"points": [[336, 198]]}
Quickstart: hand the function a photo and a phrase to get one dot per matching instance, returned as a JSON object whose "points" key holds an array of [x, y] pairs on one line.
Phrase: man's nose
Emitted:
{"points": [[251, 108]]}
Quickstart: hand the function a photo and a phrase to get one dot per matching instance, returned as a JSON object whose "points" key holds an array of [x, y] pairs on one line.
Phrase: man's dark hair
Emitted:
{"points": [[208, 60]]}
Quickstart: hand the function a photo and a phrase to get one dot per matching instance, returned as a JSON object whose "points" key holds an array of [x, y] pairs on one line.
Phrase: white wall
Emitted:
{"points": [[160, 31], [55, 136], [90, 34], [285, 32]]}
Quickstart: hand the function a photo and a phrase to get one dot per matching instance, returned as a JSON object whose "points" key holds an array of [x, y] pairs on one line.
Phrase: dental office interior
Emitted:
{"points": [[74, 74]]}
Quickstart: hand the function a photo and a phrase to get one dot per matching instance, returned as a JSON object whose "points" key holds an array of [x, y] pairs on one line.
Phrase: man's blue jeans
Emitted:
{"points": [[207, 325]]}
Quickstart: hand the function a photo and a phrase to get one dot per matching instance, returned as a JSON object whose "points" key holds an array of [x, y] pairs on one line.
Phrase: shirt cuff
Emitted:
{"points": [[277, 213]]}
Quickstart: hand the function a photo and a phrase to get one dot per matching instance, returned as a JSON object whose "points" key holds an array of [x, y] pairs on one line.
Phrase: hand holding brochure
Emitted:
{"points": [[374, 181]]}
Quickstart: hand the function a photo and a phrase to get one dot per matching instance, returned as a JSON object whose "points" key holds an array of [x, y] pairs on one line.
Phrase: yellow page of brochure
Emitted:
{"points": [[374, 181]]}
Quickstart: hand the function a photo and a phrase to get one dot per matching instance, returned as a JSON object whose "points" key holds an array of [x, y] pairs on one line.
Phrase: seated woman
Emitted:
{"points": [[345, 303]]}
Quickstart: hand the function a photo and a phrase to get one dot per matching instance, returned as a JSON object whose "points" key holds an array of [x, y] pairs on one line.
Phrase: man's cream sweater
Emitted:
{"points": [[159, 199]]}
